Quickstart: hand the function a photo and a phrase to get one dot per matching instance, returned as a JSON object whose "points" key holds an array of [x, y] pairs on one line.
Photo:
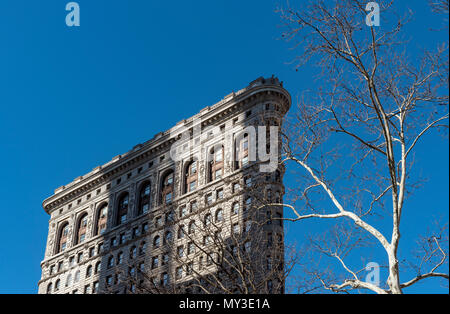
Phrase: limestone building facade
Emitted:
{"points": [[174, 214]]}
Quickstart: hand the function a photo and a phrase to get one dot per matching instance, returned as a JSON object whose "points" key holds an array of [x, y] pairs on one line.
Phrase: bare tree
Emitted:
{"points": [[354, 139], [216, 251]]}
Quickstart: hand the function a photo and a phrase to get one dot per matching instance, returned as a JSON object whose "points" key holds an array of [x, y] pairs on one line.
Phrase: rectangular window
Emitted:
{"points": [[122, 238], [179, 272], [95, 290], [109, 280], [168, 198], [183, 211], [193, 168], [155, 262], [189, 268], [248, 225], [207, 240], [209, 199], [165, 259], [100, 248], [219, 154], [236, 228], [220, 194], [180, 251], [245, 144], [135, 232], [191, 248]]}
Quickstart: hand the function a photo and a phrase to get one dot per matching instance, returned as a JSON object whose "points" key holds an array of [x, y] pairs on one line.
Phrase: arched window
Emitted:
{"points": [[241, 151], [57, 284], [69, 280], [89, 271], [156, 241], [81, 229], [49, 288], [190, 177], [166, 195], [192, 227], [102, 218], [144, 198], [219, 215], [63, 237], [122, 209], [215, 168]]}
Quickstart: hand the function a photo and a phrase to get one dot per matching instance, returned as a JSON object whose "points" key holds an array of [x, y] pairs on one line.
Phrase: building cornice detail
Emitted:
{"points": [[161, 141]]}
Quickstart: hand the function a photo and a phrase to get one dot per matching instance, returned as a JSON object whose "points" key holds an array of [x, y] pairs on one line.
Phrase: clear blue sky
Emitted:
{"points": [[72, 98]]}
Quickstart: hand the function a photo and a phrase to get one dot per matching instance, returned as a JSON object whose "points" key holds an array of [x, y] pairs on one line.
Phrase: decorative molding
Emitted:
{"points": [[141, 153]]}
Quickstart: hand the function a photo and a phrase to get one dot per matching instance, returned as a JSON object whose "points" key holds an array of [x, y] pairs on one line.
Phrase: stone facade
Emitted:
{"points": [[145, 192]]}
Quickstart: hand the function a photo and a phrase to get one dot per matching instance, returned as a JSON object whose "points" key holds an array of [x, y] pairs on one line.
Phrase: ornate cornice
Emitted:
{"points": [[234, 102]]}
